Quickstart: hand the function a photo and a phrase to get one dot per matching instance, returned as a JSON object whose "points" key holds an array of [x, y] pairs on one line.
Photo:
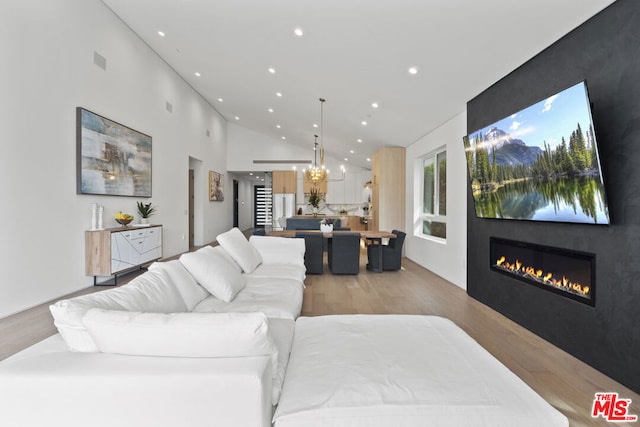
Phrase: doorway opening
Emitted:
{"points": [[191, 208]]}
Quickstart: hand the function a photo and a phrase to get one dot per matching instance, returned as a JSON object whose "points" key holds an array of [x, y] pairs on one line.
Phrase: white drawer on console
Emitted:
{"points": [[138, 234]]}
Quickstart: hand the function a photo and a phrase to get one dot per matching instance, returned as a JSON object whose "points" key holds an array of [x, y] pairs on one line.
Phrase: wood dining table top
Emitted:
{"points": [[372, 234]]}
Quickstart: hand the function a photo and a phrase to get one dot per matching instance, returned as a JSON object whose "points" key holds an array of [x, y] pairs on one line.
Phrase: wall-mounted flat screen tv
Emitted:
{"points": [[540, 163]]}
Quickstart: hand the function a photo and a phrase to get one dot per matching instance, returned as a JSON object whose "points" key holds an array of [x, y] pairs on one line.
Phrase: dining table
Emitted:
{"points": [[372, 235]]}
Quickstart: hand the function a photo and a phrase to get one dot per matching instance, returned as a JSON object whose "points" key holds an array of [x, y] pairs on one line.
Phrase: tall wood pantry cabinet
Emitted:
{"points": [[388, 190], [284, 182], [116, 250]]}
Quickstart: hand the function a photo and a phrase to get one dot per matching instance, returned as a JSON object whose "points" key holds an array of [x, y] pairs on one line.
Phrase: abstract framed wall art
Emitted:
{"points": [[112, 159], [216, 187]]}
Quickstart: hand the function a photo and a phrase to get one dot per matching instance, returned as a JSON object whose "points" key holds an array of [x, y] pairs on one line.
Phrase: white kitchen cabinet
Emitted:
{"points": [[335, 192], [349, 189]]}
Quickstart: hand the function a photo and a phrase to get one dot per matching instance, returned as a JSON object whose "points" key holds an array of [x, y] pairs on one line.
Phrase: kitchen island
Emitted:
{"points": [[353, 222]]}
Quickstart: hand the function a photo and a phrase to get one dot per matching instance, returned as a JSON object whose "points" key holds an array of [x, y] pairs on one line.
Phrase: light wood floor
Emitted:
{"points": [[558, 377]]}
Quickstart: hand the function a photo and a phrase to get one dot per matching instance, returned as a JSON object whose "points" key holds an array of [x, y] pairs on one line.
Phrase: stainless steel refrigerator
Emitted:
{"points": [[284, 206]]}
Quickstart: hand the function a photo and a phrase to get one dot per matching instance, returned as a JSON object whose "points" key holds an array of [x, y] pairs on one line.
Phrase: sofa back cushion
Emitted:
{"points": [[153, 291], [237, 245], [224, 254], [182, 334], [214, 272], [192, 293], [279, 250]]}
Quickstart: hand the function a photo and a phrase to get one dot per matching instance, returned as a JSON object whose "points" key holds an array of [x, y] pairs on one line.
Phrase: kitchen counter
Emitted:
{"points": [[353, 222]]}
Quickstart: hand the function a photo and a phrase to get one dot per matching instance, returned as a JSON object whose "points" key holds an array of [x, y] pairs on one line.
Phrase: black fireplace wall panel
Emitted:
{"points": [[606, 52]]}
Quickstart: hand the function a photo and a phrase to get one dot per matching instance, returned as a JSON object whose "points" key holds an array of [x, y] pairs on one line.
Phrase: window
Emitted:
{"points": [[433, 200]]}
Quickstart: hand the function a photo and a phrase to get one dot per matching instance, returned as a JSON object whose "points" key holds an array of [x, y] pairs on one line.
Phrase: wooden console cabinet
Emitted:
{"points": [[116, 250]]}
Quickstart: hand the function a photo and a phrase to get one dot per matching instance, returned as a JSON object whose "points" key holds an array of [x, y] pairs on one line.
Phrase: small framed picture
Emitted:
{"points": [[216, 187]]}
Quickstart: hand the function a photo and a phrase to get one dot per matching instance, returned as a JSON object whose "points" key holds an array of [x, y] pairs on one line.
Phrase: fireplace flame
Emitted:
{"points": [[539, 276]]}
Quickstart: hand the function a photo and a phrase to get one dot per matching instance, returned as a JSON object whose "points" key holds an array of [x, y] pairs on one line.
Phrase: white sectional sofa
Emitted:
{"points": [[199, 341], [206, 340]]}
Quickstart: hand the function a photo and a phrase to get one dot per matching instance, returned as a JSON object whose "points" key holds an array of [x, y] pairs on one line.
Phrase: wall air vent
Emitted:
{"points": [[99, 60], [270, 162]]}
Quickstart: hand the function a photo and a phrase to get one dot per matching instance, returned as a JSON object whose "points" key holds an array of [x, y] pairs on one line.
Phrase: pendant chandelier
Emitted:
{"points": [[318, 173]]}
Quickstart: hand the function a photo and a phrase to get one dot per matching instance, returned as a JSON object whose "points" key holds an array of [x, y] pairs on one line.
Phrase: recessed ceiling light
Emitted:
{"points": [[278, 126], [270, 110], [237, 118], [375, 105], [278, 94], [413, 70], [197, 74], [272, 70], [364, 123], [298, 32], [161, 34], [351, 151], [250, 173], [368, 159], [346, 160], [284, 137], [220, 100], [359, 140], [315, 125]]}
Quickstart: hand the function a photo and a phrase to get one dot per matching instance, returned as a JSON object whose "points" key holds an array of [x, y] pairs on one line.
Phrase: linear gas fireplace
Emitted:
{"points": [[566, 272]]}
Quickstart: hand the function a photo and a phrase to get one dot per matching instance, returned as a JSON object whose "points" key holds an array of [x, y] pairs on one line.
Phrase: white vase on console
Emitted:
{"points": [[326, 228], [94, 216], [100, 215]]}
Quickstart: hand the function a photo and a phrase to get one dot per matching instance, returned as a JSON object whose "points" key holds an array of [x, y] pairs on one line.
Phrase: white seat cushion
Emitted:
{"points": [[214, 272], [279, 271], [277, 298], [239, 248]]}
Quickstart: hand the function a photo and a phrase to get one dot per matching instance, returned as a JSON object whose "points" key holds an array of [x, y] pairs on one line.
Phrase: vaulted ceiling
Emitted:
{"points": [[256, 72]]}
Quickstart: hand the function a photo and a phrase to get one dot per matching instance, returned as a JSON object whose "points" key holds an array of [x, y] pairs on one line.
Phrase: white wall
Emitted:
{"points": [[262, 147], [47, 51], [245, 146], [448, 259]]}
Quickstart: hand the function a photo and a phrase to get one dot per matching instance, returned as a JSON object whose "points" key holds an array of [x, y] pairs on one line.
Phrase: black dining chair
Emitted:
{"points": [[344, 253], [313, 255], [391, 253]]}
